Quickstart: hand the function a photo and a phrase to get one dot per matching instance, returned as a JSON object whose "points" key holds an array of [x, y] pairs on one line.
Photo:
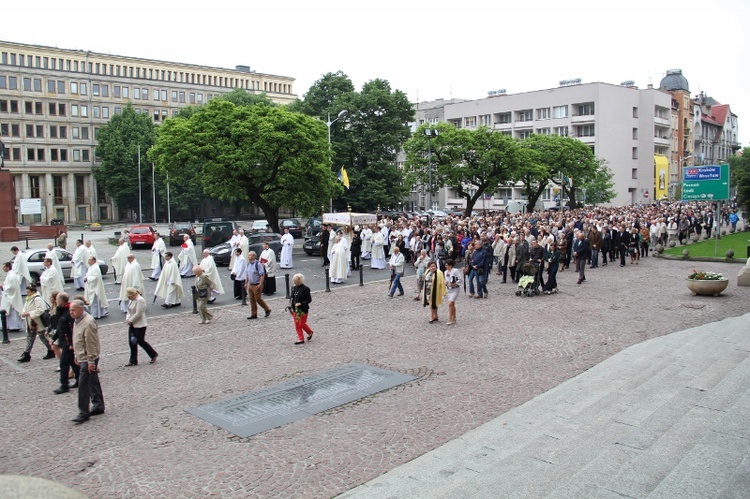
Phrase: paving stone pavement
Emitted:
{"points": [[504, 351]]}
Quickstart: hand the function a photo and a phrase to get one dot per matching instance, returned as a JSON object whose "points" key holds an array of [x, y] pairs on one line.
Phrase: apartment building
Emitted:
{"points": [[53, 102], [715, 131]]}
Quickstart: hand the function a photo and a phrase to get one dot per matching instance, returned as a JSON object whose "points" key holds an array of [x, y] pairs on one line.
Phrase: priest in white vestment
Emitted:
{"points": [[287, 247], [92, 251], [94, 291], [79, 267], [132, 277], [339, 262], [187, 257], [120, 260], [157, 256], [268, 259], [366, 235], [234, 243], [11, 300], [51, 281], [20, 268], [169, 286], [52, 255], [378, 253], [209, 268]]}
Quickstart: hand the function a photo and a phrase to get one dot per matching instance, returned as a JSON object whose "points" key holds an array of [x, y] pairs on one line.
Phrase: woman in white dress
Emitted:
{"points": [[453, 279]]}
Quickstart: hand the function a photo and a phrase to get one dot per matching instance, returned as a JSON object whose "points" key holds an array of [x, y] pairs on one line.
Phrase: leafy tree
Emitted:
{"points": [[470, 162], [263, 154], [598, 188], [739, 170], [367, 140], [118, 143], [551, 159], [241, 97]]}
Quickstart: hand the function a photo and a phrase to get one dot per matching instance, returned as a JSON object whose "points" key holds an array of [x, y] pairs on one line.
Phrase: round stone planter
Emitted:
{"points": [[707, 288]]}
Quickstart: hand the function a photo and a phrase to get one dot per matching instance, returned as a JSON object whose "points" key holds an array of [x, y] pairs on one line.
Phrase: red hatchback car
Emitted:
{"points": [[142, 235]]}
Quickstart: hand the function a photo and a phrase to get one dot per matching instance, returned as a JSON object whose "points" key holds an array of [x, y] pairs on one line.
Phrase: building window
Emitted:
{"points": [[182, 97], [116, 91], [63, 132], [15, 130], [95, 89], [560, 112], [635, 134], [34, 186], [144, 93], [12, 83], [76, 155], [50, 85], [16, 154], [30, 131], [63, 155], [60, 87], [85, 155], [74, 110], [38, 108], [4, 130], [97, 113], [525, 115], [52, 109], [174, 95], [61, 109], [40, 154], [137, 93], [31, 154], [76, 132], [57, 187], [164, 94], [40, 131], [84, 132], [191, 97], [84, 89], [634, 173], [84, 111], [586, 109], [635, 112], [156, 94], [28, 107], [543, 131], [200, 98], [27, 84], [118, 110], [125, 92], [562, 131], [53, 155], [105, 112], [164, 114], [3, 106], [470, 121], [635, 153], [73, 87], [586, 131], [543, 113], [524, 134], [52, 132]]}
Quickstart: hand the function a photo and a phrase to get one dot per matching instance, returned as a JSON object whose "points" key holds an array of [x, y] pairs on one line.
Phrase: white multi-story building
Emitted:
{"points": [[53, 101]]}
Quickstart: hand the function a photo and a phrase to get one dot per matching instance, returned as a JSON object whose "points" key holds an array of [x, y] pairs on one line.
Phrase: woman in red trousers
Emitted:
{"points": [[299, 306]]}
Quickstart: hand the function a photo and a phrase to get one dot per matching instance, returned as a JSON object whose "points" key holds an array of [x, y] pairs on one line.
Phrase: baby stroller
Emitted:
{"points": [[528, 284]]}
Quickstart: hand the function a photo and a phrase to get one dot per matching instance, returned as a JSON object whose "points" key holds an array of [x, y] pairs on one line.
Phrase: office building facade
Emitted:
{"points": [[53, 102]]}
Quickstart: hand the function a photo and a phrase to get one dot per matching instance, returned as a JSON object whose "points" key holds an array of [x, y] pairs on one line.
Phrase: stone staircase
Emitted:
{"points": [[666, 418]]}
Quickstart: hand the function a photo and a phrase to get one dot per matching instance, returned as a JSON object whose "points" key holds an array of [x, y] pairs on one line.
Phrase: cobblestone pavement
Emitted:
{"points": [[503, 351]]}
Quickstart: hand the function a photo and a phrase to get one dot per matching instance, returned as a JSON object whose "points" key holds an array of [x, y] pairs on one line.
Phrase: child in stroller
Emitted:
{"points": [[528, 284]]}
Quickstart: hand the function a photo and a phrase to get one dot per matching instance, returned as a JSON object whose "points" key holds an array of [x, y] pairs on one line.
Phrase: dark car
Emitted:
{"points": [[141, 235], [179, 229], [35, 257], [217, 231], [222, 253], [312, 227], [312, 245], [294, 226]]}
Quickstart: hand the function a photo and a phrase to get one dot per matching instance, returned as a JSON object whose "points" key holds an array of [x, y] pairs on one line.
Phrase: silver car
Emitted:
{"points": [[35, 258]]}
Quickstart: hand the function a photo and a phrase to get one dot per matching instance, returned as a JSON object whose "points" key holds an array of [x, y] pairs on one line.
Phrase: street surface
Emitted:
{"points": [[503, 351]]}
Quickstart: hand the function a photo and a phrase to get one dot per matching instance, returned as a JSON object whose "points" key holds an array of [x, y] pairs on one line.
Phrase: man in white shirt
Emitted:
{"points": [[396, 264], [78, 272], [238, 274]]}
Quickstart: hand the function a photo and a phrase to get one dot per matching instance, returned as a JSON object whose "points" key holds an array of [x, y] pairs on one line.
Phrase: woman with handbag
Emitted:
{"points": [[137, 323], [434, 290], [33, 310], [299, 307], [453, 278]]}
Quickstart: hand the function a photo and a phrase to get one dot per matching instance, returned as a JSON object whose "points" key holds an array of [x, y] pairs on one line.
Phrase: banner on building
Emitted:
{"points": [[30, 206], [661, 178]]}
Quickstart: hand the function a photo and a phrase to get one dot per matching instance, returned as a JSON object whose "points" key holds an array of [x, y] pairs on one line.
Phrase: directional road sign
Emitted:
{"points": [[705, 183]]}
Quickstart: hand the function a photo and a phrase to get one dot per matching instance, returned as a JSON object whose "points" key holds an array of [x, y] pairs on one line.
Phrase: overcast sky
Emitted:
{"points": [[429, 50]]}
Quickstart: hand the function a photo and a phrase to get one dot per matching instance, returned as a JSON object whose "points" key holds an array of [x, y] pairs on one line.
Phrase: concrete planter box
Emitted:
{"points": [[707, 287]]}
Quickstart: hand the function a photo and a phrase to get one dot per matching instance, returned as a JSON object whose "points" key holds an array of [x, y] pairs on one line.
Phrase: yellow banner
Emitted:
{"points": [[661, 177]]}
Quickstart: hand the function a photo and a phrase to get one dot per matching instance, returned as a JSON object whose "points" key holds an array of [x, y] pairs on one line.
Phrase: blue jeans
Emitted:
{"points": [[470, 277], [594, 257], [396, 285], [481, 280]]}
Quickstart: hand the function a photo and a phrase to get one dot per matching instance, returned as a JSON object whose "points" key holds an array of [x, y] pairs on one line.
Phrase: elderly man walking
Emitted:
{"points": [[87, 351]]}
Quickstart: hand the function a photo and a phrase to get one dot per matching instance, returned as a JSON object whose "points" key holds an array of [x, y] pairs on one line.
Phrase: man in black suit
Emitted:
{"points": [[581, 253], [324, 239], [623, 241]]}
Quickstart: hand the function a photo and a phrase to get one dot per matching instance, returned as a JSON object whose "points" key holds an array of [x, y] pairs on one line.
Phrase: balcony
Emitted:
{"points": [[661, 141], [662, 121], [583, 118]]}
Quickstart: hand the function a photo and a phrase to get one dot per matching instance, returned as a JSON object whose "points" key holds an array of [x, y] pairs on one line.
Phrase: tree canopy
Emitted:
{"points": [[366, 141], [118, 143], [267, 155], [469, 162], [739, 167]]}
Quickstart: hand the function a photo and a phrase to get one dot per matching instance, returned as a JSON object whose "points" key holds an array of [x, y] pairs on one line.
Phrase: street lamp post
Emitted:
{"points": [[430, 133], [342, 114]]}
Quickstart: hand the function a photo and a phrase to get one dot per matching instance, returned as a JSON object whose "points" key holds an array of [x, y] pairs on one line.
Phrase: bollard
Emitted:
{"points": [[328, 282], [288, 293], [4, 320], [195, 299], [27, 243], [82, 239], [361, 276]]}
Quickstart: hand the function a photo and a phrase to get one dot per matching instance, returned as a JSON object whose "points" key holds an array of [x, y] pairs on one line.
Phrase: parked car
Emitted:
{"points": [[179, 229], [294, 225], [312, 244], [35, 258], [217, 231], [312, 227], [259, 226], [142, 235], [222, 253]]}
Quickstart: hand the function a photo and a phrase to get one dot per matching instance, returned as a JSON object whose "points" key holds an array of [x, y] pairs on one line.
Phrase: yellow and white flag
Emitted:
{"points": [[343, 177]]}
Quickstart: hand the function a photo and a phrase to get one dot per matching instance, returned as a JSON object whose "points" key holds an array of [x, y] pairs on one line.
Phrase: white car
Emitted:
{"points": [[260, 226], [35, 257]]}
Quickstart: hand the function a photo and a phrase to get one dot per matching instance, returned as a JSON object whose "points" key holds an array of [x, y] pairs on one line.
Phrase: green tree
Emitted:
{"points": [[598, 188], [366, 141], [739, 171], [551, 159], [241, 97], [118, 145], [262, 154], [470, 162]]}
